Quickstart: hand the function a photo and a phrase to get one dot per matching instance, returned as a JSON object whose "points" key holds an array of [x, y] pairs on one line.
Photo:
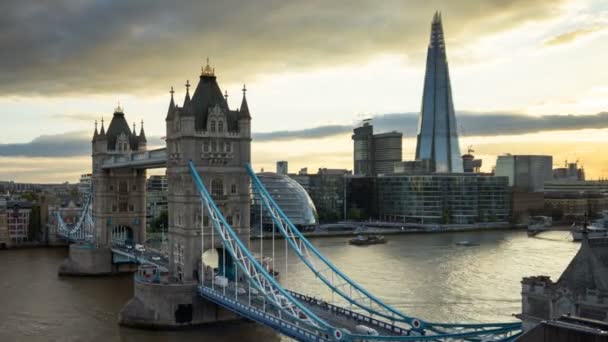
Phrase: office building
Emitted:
{"points": [[375, 154], [282, 168], [5, 240], [570, 172], [443, 198], [18, 222], [526, 173], [437, 138], [469, 163]]}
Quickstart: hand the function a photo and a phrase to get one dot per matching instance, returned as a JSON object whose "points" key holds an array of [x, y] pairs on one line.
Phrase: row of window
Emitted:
{"points": [[217, 146]]}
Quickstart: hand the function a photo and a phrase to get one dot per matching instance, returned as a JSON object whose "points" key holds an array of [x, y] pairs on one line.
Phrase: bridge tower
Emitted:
{"points": [[217, 139], [119, 194]]}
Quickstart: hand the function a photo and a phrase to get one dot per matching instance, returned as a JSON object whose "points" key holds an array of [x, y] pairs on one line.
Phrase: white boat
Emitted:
{"points": [[592, 232], [599, 228]]}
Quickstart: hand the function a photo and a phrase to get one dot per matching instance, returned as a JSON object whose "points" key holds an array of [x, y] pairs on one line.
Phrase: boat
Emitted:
{"points": [[466, 243], [361, 240], [599, 228], [539, 224], [592, 231]]}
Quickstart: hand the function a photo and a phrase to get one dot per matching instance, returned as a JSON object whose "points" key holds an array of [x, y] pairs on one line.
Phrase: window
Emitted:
{"points": [[217, 188], [122, 187], [233, 189], [213, 146], [228, 147], [134, 187], [206, 146], [131, 207], [212, 129], [220, 126], [229, 219]]}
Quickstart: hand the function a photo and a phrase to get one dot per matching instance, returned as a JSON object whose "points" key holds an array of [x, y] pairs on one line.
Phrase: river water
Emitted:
{"points": [[426, 276]]}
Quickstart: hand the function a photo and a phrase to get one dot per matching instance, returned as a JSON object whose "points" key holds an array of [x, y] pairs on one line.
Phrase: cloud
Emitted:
{"points": [[58, 145], [469, 124], [571, 36], [84, 117], [76, 47]]}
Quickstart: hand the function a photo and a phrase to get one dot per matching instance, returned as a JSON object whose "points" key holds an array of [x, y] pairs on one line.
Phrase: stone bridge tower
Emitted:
{"points": [[119, 195], [217, 139]]}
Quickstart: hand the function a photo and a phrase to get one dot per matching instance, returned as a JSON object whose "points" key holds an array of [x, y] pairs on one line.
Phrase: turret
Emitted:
{"points": [[244, 116], [142, 141]]}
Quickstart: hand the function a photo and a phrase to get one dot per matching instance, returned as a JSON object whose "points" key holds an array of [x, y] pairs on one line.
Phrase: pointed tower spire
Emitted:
{"points": [[134, 128], [142, 135], [187, 98], [244, 110], [96, 133], [171, 106], [102, 134]]}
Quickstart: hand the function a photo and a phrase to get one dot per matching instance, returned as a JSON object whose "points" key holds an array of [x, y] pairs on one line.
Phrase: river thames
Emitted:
{"points": [[427, 276]]}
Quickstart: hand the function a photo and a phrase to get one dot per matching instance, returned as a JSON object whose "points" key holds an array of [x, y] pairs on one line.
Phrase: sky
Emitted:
{"points": [[528, 76]]}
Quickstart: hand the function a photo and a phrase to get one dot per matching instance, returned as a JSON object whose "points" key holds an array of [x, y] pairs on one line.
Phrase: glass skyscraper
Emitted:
{"points": [[437, 136]]}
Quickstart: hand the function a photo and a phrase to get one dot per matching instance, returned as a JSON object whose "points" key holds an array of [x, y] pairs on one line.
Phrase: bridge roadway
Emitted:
{"points": [[333, 315], [148, 256]]}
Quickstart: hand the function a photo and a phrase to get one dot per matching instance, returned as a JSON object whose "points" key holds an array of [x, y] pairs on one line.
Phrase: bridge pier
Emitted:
{"points": [[170, 306], [88, 260]]}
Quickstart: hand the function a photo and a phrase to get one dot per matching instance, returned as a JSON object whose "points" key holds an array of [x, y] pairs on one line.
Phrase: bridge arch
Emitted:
{"points": [[123, 235]]}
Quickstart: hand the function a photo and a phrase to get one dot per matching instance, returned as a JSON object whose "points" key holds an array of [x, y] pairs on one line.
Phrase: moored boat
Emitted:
{"points": [[361, 240]]}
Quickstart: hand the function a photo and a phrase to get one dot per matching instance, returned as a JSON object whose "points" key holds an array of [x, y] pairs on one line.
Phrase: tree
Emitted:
{"points": [[161, 222]]}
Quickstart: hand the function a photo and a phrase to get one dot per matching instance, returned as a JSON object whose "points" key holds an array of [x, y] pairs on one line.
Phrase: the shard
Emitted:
{"points": [[437, 130]]}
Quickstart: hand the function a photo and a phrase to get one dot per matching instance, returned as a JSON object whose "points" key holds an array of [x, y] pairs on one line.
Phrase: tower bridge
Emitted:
{"points": [[210, 183]]}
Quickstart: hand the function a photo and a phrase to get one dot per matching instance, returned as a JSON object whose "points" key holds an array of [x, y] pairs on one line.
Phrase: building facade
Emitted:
{"points": [[327, 191], [580, 291], [290, 196], [18, 222], [437, 138], [443, 199], [282, 168], [525, 172], [217, 140], [375, 154], [5, 239]]}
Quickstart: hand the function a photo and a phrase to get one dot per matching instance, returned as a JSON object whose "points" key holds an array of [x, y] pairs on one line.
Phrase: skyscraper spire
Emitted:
{"points": [[437, 136]]}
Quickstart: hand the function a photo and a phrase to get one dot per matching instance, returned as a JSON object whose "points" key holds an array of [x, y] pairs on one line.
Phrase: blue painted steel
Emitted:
{"points": [[263, 192], [497, 329], [208, 199], [259, 316]]}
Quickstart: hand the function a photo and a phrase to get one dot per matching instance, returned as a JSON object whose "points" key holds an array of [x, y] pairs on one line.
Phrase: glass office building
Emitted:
{"points": [[443, 198], [437, 130], [291, 198]]}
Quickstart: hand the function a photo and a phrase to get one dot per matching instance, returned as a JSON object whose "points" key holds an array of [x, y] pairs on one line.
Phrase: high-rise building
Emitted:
{"points": [[363, 149], [437, 136], [282, 167], [375, 153], [525, 172]]}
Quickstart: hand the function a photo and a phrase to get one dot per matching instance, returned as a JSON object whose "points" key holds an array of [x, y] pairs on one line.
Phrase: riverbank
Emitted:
{"points": [[391, 231]]}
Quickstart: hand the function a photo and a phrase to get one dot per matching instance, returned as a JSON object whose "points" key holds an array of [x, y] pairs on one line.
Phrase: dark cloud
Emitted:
{"points": [[58, 145], [73, 46], [469, 124]]}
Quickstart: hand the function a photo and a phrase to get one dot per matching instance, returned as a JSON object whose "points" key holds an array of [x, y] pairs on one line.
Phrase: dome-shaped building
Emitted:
{"points": [[290, 197]]}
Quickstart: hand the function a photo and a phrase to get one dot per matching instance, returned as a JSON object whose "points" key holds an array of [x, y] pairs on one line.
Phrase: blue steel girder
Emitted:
{"points": [[257, 275]]}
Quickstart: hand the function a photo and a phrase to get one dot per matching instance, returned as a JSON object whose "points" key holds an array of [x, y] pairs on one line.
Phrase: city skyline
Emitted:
{"points": [[517, 48]]}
